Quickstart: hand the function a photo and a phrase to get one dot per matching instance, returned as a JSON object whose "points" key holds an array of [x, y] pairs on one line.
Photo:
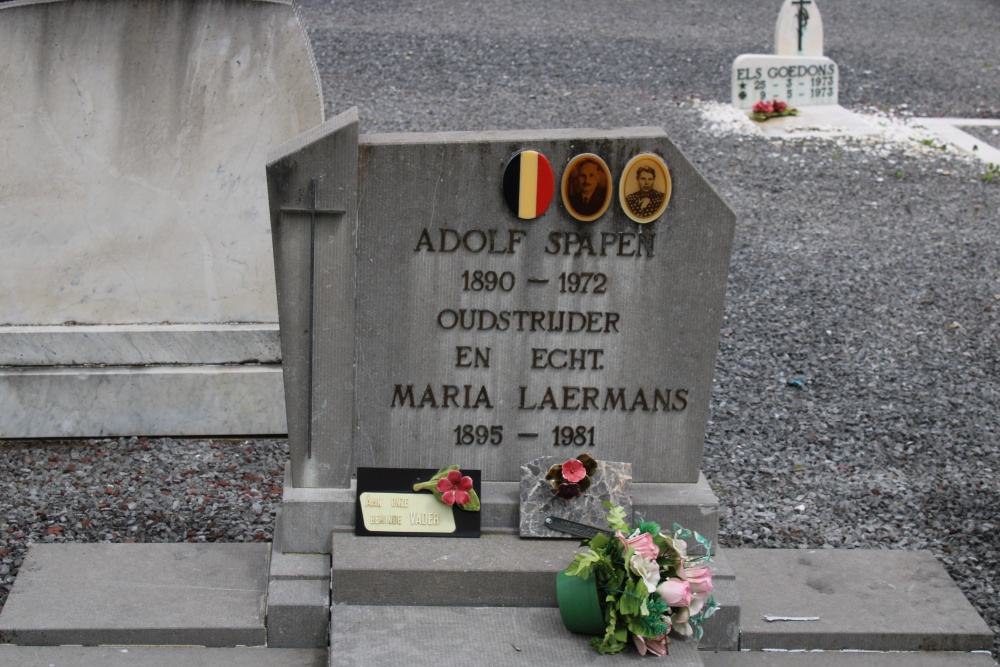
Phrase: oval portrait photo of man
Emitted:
{"points": [[586, 187], [644, 189]]}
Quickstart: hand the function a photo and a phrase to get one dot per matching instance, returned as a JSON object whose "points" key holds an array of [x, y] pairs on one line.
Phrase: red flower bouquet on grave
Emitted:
{"points": [[763, 110], [647, 585]]}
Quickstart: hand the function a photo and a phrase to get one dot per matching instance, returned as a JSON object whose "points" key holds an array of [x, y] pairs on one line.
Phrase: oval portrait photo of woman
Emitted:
{"points": [[644, 189]]}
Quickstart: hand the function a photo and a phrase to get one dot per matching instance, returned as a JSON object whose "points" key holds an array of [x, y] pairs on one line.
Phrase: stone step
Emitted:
{"points": [[860, 599], [172, 594], [160, 656], [846, 659], [496, 570], [377, 636]]}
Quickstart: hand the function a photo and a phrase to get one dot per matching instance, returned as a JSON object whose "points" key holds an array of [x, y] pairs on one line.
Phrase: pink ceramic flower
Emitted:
{"points": [[763, 107], [699, 576], [675, 592], [455, 488], [573, 471], [779, 106], [655, 645], [643, 543]]}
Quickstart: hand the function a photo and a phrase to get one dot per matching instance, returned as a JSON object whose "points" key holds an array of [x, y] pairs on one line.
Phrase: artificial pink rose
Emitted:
{"points": [[572, 471], [655, 645], [675, 592], [699, 576], [643, 543], [779, 106], [454, 488], [763, 107]]}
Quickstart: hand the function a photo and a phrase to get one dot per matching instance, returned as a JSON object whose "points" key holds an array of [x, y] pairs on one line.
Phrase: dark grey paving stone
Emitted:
{"points": [[864, 599], [482, 636], [158, 656], [842, 659], [168, 594]]}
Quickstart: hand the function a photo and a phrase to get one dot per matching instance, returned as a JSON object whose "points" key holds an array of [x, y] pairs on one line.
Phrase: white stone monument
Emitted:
{"points": [[135, 246], [798, 73]]}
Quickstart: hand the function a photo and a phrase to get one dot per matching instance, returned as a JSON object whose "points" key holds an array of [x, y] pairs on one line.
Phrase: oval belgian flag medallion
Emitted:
{"points": [[528, 184]]}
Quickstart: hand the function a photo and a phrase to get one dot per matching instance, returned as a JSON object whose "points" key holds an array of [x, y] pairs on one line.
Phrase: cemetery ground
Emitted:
{"points": [[855, 402], [858, 379]]}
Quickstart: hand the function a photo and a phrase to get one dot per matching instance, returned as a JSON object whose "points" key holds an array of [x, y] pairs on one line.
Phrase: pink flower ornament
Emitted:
{"points": [[654, 645], [454, 488], [763, 107], [675, 592], [699, 576], [643, 543]]}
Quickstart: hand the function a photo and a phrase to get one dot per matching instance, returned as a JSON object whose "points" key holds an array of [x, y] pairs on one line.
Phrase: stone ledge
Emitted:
{"points": [[311, 515], [89, 402], [166, 594], [486, 636], [865, 600], [160, 656], [139, 344], [845, 659]]}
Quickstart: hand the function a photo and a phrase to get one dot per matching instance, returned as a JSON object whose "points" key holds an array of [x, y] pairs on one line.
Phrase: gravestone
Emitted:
{"points": [[798, 73], [426, 323], [135, 250]]}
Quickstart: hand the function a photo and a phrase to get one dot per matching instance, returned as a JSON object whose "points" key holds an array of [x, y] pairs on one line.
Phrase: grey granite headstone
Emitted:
{"points": [[612, 482], [424, 324]]}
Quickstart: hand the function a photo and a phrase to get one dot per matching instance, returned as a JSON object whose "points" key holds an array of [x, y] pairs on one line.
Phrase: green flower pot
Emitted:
{"points": [[579, 605]]}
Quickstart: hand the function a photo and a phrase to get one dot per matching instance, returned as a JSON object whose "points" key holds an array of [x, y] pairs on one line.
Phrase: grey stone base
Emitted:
{"points": [[310, 516], [298, 600], [492, 599], [87, 402]]}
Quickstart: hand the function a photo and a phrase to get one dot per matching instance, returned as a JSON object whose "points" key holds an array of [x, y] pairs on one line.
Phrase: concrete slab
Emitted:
{"points": [[169, 594], [159, 656], [190, 400], [298, 613], [861, 599], [950, 131], [845, 659], [482, 636], [818, 121]]}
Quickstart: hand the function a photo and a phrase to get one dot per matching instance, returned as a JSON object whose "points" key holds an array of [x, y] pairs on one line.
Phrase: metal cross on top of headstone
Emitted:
{"points": [[312, 211], [802, 16], [799, 30]]}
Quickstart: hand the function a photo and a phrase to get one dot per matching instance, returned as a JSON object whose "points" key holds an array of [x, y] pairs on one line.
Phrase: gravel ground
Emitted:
{"points": [[858, 378]]}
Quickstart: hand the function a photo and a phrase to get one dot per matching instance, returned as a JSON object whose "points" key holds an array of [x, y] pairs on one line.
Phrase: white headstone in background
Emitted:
{"points": [[798, 73], [799, 30], [799, 81]]}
